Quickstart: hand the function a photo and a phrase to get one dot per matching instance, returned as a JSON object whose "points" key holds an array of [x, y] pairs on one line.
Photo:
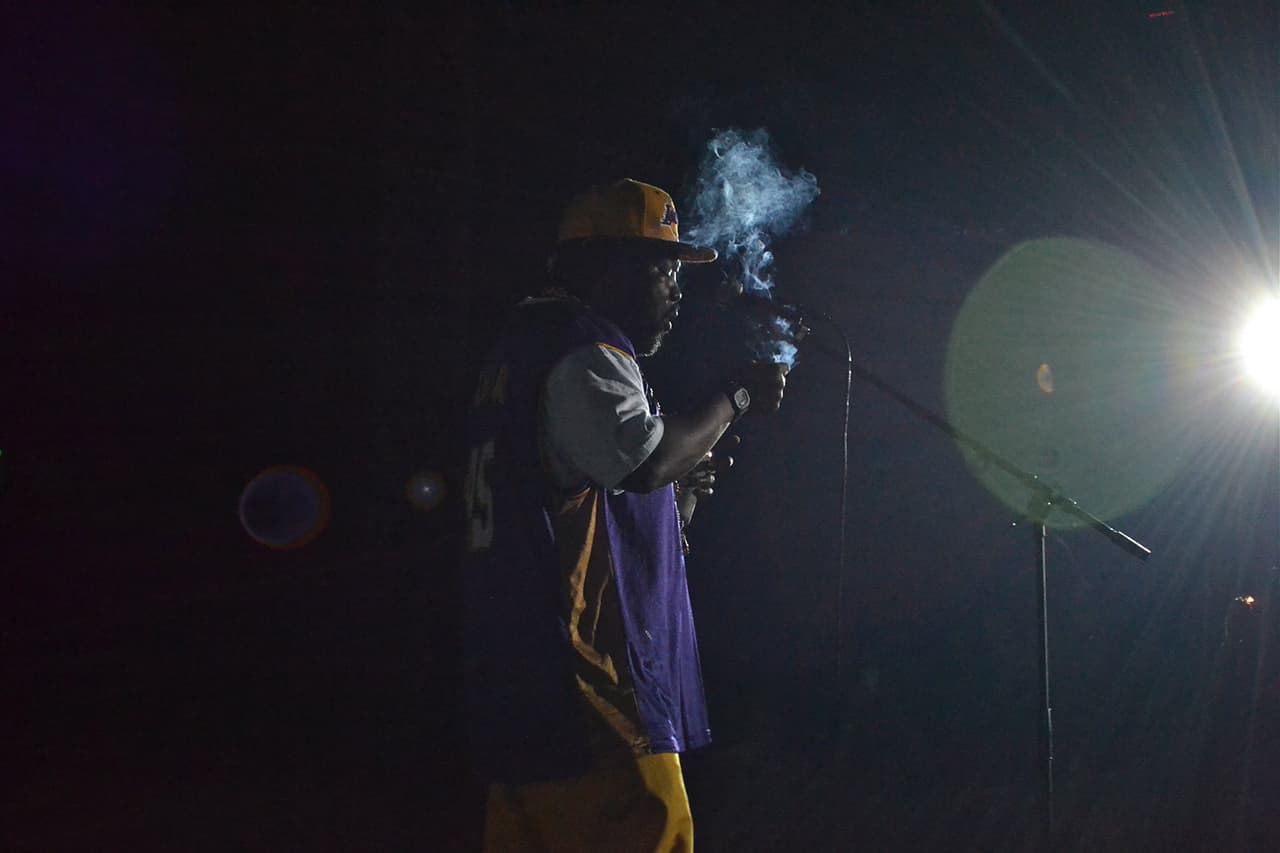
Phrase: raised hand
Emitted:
{"points": [[765, 381]]}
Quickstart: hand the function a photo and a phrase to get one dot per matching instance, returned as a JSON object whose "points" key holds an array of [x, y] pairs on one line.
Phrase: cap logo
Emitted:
{"points": [[669, 215]]}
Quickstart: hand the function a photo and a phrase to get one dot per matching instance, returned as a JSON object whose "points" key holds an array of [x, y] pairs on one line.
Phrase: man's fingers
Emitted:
{"points": [[699, 476], [728, 441]]}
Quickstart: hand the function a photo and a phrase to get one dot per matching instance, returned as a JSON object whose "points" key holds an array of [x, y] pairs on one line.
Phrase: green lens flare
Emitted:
{"points": [[1059, 362]]}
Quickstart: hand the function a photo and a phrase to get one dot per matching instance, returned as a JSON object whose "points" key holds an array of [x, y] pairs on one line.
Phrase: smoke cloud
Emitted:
{"points": [[742, 201]]}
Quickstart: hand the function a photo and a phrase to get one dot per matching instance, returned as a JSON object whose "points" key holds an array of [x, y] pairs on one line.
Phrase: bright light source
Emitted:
{"points": [[1260, 345]]}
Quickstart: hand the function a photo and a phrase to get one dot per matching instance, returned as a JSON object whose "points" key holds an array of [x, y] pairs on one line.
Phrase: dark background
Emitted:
{"points": [[243, 236]]}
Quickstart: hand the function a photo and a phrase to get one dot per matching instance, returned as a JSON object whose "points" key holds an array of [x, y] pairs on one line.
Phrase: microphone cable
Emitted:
{"points": [[841, 568], [731, 293]]}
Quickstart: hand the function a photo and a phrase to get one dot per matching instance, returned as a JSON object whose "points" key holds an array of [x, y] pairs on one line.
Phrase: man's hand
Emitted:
{"points": [[765, 381], [701, 479], [687, 437]]}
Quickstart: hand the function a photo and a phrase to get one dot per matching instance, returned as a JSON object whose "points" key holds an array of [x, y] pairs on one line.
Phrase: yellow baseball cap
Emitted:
{"points": [[629, 210]]}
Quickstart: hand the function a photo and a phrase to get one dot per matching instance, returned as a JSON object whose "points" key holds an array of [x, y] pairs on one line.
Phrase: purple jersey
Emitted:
{"points": [[579, 632]]}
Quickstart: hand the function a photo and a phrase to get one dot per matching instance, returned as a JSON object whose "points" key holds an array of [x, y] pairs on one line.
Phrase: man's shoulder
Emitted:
{"points": [[568, 321], [552, 306], [544, 316], [548, 306]]}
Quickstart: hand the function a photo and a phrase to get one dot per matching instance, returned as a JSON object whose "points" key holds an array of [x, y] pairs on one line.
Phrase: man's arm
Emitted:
{"points": [[596, 421], [687, 438]]}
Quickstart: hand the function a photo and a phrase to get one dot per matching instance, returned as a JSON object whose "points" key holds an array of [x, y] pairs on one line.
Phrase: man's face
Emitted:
{"points": [[652, 305]]}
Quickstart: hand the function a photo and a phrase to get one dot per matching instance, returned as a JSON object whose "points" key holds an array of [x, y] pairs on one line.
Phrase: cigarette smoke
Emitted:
{"points": [[744, 199]]}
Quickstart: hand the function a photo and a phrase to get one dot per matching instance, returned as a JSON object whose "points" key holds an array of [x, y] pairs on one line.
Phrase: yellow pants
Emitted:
{"points": [[624, 804]]}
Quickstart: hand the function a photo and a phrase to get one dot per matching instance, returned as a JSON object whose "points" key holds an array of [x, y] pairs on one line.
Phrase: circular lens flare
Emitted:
{"points": [[1260, 345], [1059, 362], [284, 507], [426, 490]]}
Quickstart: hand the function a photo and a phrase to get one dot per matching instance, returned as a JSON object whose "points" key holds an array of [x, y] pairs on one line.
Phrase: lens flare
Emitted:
{"points": [[426, 490], [1044, 378], [1059, 361], [1260, 346], [284, 507]]}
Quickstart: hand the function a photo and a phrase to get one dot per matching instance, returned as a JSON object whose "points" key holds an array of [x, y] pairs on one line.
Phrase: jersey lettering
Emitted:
{"points": [[479, 498]]}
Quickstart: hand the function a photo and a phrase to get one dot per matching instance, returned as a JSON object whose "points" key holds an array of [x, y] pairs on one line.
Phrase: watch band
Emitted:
{"points": [[739, 398]]}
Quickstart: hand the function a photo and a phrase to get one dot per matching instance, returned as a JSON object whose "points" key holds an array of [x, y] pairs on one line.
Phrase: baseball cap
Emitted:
{"points": [[629, 210]]}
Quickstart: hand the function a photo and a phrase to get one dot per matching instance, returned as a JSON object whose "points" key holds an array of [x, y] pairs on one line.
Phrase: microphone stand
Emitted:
{"points": [[1042, 500]]}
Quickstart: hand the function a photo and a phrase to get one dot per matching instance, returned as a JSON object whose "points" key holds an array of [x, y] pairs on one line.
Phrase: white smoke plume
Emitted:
{"points": [[742, 200]]}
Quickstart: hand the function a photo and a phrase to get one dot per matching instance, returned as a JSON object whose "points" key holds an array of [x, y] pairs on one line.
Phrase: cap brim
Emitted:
{"points": [[684, 252], [691, 254]]}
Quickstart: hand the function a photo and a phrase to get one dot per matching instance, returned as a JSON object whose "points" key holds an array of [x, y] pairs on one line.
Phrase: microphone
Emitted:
{"points": [[786, 321], [765, 308], [730, 294]]}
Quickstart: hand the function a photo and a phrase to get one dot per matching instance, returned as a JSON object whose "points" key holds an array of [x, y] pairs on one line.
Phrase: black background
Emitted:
{"points": [[244, 236]]}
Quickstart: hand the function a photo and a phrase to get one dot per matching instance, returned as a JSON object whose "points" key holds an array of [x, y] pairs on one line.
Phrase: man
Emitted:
{"points": [[583, 680]]}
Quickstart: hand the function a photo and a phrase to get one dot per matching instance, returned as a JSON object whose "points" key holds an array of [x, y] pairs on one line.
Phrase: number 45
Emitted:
{"points": [[479, 498]]}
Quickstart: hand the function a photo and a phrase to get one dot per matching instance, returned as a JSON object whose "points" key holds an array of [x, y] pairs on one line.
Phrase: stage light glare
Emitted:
{"points": [[1260, 345]]}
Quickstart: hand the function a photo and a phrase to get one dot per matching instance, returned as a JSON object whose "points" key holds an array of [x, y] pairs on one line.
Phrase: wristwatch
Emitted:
{"points": [[739, 398]]}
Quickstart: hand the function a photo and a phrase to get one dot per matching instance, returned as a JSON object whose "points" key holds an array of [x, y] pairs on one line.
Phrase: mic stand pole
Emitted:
{"points": [[1042, 500], [1038, 509]]}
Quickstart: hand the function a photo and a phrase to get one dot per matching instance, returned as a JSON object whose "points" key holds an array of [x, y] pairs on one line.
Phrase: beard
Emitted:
{"points": [[648, 345]]}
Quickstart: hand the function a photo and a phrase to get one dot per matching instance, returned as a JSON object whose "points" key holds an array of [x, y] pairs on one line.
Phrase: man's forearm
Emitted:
{"points": [[686, 438]]}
